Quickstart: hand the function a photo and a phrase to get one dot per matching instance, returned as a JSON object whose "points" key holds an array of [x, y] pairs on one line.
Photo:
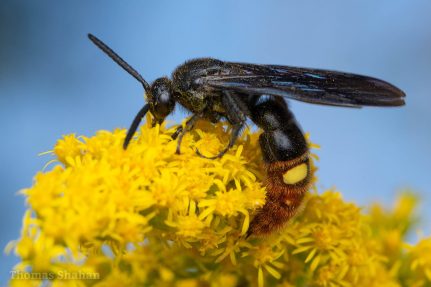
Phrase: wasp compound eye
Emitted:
{"points": [[162, 102]]}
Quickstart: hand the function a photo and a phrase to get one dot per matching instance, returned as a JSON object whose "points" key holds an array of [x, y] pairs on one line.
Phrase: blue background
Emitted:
{"points": [[53, 81]]}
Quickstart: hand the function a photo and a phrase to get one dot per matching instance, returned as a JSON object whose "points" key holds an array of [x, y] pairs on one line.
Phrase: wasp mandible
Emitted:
{"points": [[212, 89]]}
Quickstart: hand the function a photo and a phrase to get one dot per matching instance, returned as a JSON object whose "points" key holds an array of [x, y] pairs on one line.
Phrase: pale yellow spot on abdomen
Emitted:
{"points": [[295, 174]]}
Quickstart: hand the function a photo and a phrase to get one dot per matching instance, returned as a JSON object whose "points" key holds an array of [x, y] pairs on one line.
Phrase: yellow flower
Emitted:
{"points": [[420, 258], [147, 216]]}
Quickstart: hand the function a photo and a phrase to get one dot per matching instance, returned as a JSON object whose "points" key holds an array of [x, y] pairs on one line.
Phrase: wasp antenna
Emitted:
{"points": [[135, 125], [117, 59]]}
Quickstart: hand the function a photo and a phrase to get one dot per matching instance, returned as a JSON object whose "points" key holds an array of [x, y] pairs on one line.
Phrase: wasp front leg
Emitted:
{"points": [[180, 132], [236, 118]]}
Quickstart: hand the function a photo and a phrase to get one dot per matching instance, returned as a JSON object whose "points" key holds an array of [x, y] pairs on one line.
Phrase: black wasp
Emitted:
{"points": [[212, 89]]}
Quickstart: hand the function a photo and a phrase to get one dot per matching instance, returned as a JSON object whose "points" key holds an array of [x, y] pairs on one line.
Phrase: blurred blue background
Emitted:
{"points": [[53, 81]]}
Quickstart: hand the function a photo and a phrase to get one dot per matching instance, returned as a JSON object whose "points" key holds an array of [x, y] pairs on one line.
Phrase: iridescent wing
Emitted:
{"points": [[306, 85]]}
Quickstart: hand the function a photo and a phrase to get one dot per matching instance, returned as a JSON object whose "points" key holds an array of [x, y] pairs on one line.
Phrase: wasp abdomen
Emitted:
{"points": [[285, 152], [286, 185]]}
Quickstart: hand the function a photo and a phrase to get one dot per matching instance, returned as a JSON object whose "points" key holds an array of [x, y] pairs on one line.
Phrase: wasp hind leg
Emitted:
{"points": [[236, 117]]}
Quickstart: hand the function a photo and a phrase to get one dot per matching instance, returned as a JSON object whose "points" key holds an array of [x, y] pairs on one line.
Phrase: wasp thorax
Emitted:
{"points": [[161, 98]]}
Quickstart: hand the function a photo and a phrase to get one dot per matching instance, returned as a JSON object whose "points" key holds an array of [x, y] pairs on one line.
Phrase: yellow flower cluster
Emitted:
{"points": [[146, 216]]}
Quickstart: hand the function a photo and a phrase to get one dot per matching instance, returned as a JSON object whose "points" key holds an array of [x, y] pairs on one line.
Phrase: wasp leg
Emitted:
{"points": [[234, 135], [236, 117], [180, 132], [177, 132]]}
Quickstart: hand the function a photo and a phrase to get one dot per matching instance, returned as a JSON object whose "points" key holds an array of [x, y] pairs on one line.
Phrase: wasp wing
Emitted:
{"points": [[306, 85]]}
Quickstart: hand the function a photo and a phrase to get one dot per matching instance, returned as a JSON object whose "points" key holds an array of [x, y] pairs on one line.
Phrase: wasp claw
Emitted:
{"points": [[199, 154], [211, 157]]}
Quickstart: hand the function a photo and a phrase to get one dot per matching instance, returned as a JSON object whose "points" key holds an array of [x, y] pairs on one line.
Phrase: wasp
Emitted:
{"points": [[212, 89]]}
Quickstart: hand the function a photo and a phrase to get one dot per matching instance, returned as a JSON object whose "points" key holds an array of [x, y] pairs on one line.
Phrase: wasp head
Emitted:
{"points": [[160, 99]]}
